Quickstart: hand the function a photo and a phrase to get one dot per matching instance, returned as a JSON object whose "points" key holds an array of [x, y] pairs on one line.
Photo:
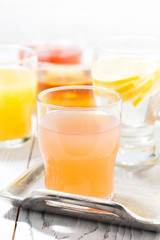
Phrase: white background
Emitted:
{"points": [[28, 20]]}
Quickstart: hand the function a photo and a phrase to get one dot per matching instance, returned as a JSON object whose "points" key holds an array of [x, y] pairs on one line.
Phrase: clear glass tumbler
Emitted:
{"points": [[79, 140], [18, 85], [131, 66]]}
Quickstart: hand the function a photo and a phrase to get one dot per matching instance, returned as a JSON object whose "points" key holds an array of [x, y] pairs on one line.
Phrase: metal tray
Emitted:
{"points": [[135, 204]]}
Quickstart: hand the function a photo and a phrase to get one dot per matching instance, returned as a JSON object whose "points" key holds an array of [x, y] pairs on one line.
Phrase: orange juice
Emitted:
{"points": [[79, 150], [59, 75], [17, 98]]}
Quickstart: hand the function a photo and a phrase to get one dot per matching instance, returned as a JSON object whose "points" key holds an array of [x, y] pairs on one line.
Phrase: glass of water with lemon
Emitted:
{"points": [[131, 66]]}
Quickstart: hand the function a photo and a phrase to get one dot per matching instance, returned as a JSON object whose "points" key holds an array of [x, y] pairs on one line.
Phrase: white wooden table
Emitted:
{"points": [[20, 224]]}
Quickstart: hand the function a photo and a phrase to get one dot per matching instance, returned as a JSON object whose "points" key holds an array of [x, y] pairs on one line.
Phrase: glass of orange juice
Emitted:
{"points": [[17, 94], [79, 140]]}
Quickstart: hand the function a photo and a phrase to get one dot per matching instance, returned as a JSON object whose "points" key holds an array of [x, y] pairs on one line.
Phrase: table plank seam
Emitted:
{"points": [[18, 210], [31, 151], [87, 233], [15, 226]]}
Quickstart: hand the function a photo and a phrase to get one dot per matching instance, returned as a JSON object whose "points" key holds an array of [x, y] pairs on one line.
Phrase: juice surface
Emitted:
{"points": [[71, 98], [17, 98], [79, 151], [46, 85]]}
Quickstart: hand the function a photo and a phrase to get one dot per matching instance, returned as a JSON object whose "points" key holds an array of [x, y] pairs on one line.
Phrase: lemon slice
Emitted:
{"points": [[128, 87], [135, 91], [117, 83], [125, 88], [147, 87]]}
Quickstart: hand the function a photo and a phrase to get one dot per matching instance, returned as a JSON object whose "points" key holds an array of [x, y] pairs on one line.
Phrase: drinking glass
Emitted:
{"points": [[62, 60], [131, 66], [79, 140], [17, 94], [61, 63]]}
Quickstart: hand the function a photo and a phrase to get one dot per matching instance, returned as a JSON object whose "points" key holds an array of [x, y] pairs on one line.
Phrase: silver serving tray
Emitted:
{"points": [[135, 204]]}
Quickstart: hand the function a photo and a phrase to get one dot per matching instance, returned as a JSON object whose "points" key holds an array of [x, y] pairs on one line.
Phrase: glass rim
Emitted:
{"points": [[154, 50], [60, 41], [119, 100], [18, 47]]}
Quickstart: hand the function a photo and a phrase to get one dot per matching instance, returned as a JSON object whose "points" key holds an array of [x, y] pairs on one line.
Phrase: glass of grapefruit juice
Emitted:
{"points": [[17, 94], [79, 142]]}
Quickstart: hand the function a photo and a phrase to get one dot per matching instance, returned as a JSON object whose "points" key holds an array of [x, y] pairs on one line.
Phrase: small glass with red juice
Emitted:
{"points": [[60, 64]]}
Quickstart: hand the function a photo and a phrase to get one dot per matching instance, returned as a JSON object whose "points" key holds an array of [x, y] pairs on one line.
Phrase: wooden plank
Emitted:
{"points": [[40, 226], [12, 163]]}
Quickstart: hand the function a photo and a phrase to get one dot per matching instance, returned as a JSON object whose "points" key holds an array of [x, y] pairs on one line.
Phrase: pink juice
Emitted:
{"points": [[79, 149]]}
